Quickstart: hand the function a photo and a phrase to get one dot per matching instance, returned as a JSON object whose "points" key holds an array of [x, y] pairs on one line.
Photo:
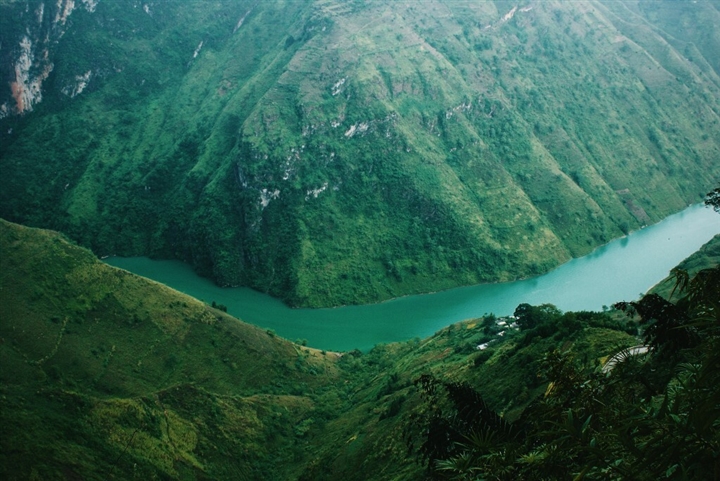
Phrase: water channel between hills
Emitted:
{"points": [[621, 270]]}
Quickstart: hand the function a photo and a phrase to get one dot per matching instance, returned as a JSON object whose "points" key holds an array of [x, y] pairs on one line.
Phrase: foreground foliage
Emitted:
{"points": [[646, 416]]}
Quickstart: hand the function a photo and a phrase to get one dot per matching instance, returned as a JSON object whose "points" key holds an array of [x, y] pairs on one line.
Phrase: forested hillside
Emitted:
{"points": [[334, 152]]}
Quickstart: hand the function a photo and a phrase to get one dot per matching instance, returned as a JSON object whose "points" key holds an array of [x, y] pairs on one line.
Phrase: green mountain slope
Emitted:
{"points": [[107, 375], [340, 152]]}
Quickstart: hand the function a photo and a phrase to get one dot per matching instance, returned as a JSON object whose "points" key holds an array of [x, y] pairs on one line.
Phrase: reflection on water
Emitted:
{"points": [[619, 270]]}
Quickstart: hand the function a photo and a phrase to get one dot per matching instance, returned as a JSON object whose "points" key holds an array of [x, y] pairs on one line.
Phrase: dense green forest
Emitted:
{"points": [[333, 152], [107, 375]]}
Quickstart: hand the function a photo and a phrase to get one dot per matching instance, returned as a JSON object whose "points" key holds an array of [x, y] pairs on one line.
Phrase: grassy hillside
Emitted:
{"points": [[107, 375], [341, 152]]}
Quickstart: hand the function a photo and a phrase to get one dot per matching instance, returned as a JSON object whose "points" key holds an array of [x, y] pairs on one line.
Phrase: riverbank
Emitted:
{"points": [[617, 271]]}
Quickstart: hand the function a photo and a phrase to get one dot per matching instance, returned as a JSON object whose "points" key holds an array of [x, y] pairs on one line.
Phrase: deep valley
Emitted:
{"points": [[346, 152]]}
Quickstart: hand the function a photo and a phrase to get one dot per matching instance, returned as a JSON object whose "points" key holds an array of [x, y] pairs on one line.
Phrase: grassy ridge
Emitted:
{"points": [[109, 374]]}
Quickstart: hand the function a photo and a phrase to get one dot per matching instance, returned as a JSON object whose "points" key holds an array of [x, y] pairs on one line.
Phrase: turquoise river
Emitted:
{"points": [[621, 270]]}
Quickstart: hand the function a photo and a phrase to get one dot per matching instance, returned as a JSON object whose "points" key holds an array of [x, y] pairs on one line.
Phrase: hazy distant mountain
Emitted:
{"points": [[335, 152]]}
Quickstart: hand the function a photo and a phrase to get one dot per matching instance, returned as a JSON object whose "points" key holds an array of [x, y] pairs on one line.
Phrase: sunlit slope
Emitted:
{"points": [[339, 152], [106, 374]]}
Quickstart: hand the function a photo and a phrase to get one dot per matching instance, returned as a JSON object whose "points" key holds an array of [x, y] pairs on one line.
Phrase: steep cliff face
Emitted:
{"points": [[31, 32], [337, 152]]}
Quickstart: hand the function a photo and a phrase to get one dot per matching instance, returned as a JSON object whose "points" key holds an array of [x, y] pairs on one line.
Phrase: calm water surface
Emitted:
{"points": [[621, 270]]}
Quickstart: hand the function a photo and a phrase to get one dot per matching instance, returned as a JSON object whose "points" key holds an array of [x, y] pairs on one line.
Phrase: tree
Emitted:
{"points": [[530, 317], [712, 199]]}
